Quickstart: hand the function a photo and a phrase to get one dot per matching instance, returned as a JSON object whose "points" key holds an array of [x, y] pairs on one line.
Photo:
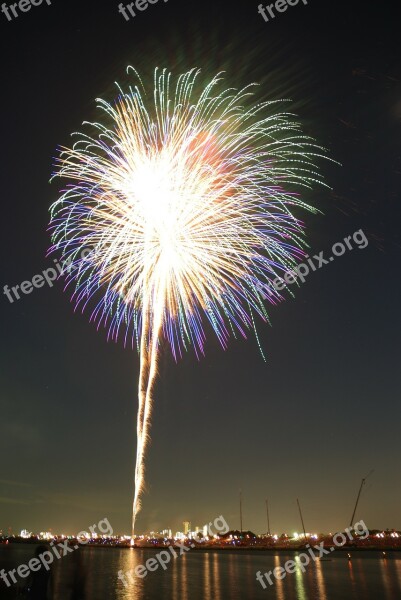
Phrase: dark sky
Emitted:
{"points": [[325, 408]]}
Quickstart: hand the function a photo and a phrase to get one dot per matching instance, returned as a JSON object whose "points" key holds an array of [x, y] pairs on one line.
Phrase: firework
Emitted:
{"points": [[185, 204]]}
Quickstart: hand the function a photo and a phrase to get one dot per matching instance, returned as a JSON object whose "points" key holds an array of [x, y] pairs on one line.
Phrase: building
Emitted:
{"points": [[187, 527], [167, 533]]}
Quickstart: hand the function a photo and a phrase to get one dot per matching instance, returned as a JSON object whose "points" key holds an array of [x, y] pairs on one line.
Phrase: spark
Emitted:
{"points": [[185, 205]]}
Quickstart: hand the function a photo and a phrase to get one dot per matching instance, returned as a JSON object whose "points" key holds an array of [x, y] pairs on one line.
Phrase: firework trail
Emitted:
{"points": [[185, 203]]}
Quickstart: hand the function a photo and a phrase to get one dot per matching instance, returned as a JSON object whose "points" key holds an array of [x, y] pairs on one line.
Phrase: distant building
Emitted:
{"points": [[187, 527], [26, 534], [166, 533]]}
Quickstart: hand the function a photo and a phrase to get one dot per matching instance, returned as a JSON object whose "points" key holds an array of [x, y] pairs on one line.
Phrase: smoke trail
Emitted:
{"points": [[147, 378]]}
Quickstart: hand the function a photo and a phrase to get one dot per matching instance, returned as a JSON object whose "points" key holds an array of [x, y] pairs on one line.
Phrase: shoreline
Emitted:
{"points": [[231, 549]]}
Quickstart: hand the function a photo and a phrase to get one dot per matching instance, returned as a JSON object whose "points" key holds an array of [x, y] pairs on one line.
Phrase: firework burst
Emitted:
{"points": [[185, 204]]}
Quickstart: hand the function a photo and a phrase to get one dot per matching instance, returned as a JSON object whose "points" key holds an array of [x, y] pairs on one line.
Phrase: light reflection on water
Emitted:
{"points": [[279, 583], [320, 581], [397, 566], [299, 583], [218, 575]]}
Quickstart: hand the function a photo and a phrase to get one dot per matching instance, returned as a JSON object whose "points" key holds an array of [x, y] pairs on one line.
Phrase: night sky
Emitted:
{"points": [[324, 409]]}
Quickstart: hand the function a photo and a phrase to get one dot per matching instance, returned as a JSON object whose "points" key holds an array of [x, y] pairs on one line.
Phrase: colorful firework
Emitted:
{"points": [[185, 207]]}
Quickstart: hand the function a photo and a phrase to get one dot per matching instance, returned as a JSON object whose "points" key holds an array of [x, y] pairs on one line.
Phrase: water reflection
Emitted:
{"points": [[299, 581], [134, 586], [207, 576], [361, 577], [397, 567], [220, 575], [389, 578], [231, 567], [278, 582], [320, 581], [216, 576], [351, 575], [184, 580], [175, 581]]}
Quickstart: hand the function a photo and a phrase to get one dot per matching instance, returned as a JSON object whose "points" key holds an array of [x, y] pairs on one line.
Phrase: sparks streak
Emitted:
{"points": [[187, 214]]}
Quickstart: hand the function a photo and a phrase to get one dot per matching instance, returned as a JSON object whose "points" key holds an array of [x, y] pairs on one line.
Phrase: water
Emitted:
{"points": [[219, 575]]}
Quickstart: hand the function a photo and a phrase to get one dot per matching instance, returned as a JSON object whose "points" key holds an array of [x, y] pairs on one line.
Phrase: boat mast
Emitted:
{"points": [[240, 508], [302, 519], [357, 498], [267, 514]]}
